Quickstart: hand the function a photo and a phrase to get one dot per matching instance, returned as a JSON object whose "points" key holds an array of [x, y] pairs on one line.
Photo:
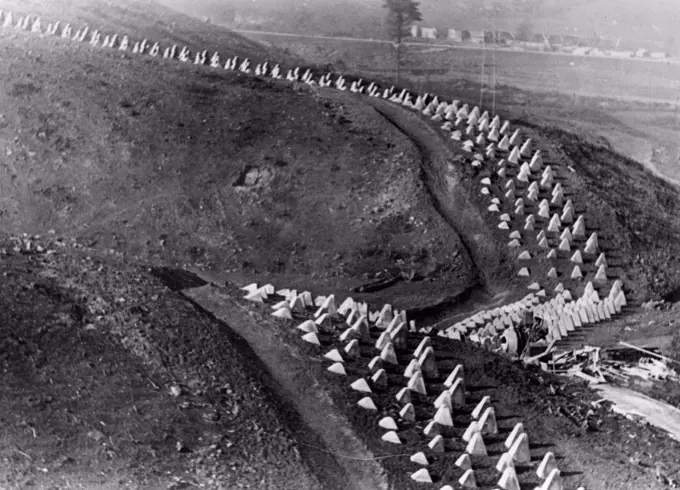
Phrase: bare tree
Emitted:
{"points": [[401, 15]]}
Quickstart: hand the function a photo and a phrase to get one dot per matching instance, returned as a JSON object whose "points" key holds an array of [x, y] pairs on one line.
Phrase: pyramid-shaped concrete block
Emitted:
{"points": [[428, 363], [375, 364], [432, 429], [579, 228], [444, 400], [576, 273], [424, 344], [525, 150], [379, 378], [517, 430], [422, 476], [417, 384], [391, 437], [361, 385], [367, 403], [388, 355], [601, 275], [457, 391], [311, 338], [383, 340], [443, 416], [525, 255], [567, 216], [515, 139], [283, 312], [520, 449], [257, 296], [337, 368], [437, 444], [566, 235], [408, 412], [547, 465], [555, 224], [479, 409], [468, 479], [347, 335], [464, 462], [385, 317], [476, 446], [553, 482], [388, 423], [514, 156], [508, 480], [487, 422], [352, 349], [347, 305], [419, 458], [458, 372], [577, 258], [412, 368], [564, 246], [601, 261], [505, 461], [324, 321]]}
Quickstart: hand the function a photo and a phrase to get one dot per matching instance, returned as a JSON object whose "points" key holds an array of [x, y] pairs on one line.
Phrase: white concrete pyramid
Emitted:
{"points": [[468, 479], [464, 462], [391, 437], [508, 480], [547, 465], [361, 385], [408, 412], [367, 403], [476, 446]]}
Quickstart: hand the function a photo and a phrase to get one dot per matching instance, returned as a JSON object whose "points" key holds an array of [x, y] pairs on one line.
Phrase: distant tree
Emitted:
{"points": [[401, 15], [525, 30], [671, 46]]}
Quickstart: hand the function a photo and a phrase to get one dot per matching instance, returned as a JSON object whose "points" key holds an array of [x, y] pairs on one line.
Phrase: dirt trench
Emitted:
{"points": [[342, 458], [447, 176]]}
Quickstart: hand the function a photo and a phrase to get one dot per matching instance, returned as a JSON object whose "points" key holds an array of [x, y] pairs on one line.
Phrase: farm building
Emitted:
{"points": [[477, 37], [455, 35], [429, 32]]}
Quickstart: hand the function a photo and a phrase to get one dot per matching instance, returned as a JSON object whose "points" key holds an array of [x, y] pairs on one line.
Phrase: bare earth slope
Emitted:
{"points": [[218, 169], [90, 349], [159, 162]]}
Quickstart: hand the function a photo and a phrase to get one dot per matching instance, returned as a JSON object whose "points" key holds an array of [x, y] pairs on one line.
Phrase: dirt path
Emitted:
{"points": [[447, 174], [299, 386], [657, 413]]}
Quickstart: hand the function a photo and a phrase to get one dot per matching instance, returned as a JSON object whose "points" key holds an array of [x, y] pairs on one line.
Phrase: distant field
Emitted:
{"points": [[618, 78]]}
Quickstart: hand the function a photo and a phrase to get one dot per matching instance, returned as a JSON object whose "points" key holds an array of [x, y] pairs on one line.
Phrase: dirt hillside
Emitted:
{"points": [[148, 164]]}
